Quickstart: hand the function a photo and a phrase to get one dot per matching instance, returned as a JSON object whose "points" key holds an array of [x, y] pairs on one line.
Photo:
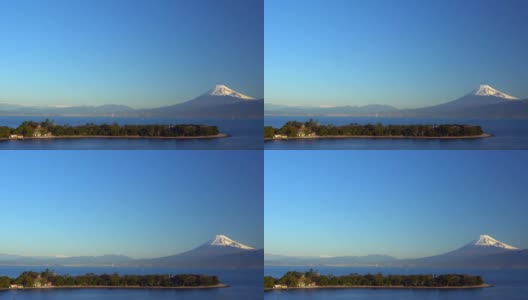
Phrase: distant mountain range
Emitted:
{"points": [[218, 102], [219, 252], [485, 252], [483, 102], [368, 110]]}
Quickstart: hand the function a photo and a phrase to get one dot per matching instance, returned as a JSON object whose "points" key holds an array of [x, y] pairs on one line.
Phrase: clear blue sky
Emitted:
{"points": [[405, 53], [137, 203], [135, 52], [401, 203]]}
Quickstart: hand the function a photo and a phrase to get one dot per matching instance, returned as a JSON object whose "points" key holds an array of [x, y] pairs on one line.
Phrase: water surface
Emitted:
{"points": [[507, 135], [507, 285], [243, 135], [244, 285]]}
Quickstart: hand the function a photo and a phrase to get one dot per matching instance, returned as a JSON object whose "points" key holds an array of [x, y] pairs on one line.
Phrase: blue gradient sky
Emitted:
{"points": [[406, 53], [134, 52], [137, 203], [401, 203]]}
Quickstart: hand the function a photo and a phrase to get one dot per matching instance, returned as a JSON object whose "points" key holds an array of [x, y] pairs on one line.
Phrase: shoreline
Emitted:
{"points": [[399, 287], [480, 136], [73, 137], [137, 287]]}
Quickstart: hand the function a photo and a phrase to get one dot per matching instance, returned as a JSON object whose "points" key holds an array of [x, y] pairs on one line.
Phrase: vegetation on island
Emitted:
{"points": [[312, 278], [314, 129], [50, 129], [48, 278]]}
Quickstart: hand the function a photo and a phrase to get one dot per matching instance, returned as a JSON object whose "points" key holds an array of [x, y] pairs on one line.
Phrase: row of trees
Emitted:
{"points": [[293, 279], [29, 279], [293, 128], [29, 128]]}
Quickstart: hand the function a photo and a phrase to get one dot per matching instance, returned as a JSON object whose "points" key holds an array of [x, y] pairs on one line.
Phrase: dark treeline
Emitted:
{"points": [[296, 129], [313, 278], [49, 278], [48, 128]]}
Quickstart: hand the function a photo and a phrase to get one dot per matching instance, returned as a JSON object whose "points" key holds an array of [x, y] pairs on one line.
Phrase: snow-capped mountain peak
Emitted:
{"points": [[486, 90], [224, 241], [222, 90], [488, 241]]}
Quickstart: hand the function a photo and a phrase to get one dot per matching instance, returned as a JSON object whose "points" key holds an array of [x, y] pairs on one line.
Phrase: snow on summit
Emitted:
{"points": [[486, 240], [222, 240], [222, 90], [486, 90]]}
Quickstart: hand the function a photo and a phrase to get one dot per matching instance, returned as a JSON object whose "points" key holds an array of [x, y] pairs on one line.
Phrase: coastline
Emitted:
{"points": [[485, 285], [480, 136], [66, 137], [216, 286]]}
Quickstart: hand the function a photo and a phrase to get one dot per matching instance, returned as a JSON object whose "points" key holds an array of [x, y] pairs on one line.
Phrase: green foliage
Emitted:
{"points": [[291, 279], [292, 128], [4, 282], [27, 279], [135, 130], [28, 129], [269, 132], [5, 132], [269, 282]]}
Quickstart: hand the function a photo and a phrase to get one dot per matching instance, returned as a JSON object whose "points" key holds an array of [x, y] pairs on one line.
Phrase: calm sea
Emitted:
{"points": [[507, 285], [244, 285], [507, 135], [244, 134]]}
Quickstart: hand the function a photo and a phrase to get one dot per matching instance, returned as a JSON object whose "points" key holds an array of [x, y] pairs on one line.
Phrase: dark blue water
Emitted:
{"points": [[244, 285], [507, 285], [507, 135], [244, 135]]}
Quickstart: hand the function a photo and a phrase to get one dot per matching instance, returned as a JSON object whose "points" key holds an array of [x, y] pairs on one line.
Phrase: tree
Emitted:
{"points": [[269, 132], [5, 282], [379, 130], [58, 281], [4, 131], [27, 281], [269, 282]]}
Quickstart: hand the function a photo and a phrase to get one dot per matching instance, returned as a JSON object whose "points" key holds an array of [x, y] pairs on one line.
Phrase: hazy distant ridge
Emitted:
{"points": [[485, 252], [484, 102], [219, 102], [220, 252]]}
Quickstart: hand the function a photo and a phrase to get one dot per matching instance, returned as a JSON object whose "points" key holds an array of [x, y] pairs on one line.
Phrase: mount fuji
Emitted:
{"points": [[486, 90], [218, 252], [481, 96], [484, 252], [485, 244], [483, 102], [222, 90], [219, 245], [218, 102]]}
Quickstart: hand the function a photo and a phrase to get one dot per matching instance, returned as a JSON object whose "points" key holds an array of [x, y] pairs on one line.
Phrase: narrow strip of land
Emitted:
{"points": [[216, 286], [216, 136], [48, 279], [49, 130], [480, 136], [312, 279], [479, 286], [311, 129]]}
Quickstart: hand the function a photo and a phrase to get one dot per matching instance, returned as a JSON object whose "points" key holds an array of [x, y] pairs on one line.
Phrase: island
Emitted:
{"points": [[48, 279], [314, 280], [49, 130], [313, 130]]}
